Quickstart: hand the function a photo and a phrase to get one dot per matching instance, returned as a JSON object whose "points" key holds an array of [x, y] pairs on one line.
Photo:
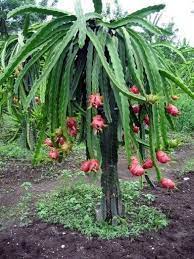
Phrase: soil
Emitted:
{"points": [[41, 240]]}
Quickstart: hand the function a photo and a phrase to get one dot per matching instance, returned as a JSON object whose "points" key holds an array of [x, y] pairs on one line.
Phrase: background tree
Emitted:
{"points": [[15, 24], [113, 10], [23, 124]]}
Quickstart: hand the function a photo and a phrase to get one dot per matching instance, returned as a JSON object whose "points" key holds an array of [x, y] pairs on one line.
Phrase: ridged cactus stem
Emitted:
{"points": [[143, 151], [153, 151], [111, 205]]}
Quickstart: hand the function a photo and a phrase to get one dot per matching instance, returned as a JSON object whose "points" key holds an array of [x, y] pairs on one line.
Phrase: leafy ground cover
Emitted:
{"points": [[80, 200]]}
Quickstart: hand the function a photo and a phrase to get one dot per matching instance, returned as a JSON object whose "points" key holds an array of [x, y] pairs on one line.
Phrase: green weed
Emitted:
{"points": [[74, 207], [13, 150], [189, 165], [185, 122]]}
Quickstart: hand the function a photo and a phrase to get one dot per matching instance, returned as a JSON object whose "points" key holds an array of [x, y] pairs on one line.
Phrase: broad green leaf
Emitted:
{"points": [[3, 56], [156, 134], [163, 124], [140, 141], [28, 135]]}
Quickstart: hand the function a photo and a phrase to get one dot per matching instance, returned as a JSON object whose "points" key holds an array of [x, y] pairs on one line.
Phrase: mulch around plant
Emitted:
{"points": [[41, 240]]}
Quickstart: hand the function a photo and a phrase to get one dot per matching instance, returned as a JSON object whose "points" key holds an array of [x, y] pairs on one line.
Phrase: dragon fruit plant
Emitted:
{"points": [[109, 74]]}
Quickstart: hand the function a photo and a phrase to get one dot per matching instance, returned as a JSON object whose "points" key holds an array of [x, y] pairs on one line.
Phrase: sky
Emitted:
{"points": [[178, 11]]}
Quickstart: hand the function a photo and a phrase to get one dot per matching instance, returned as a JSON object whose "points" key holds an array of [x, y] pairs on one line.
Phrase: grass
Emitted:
{"points": [[13, 150], [74, 207], [182, 138], [189, 165], [185, 122]]}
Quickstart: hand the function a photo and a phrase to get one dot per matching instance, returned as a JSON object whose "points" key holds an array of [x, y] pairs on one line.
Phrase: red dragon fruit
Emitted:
{"points": [[73, 132], [147, 164], [72, 126], [135, 169], [90, 165], [85, 166], [98, 123], [54, 154], [134, 161], [94, 165], [61, 140], [136, 108], [71, 122], [48, 142], [172, 110], [135, 129], [167, 183], [134, 89], [162, 157], [95, 100], [147, 120]]}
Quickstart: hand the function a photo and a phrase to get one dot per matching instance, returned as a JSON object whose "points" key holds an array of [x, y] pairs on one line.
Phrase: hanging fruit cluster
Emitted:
{"points": [[60, 144], [90, 165], [143, 124], [136, 167]]}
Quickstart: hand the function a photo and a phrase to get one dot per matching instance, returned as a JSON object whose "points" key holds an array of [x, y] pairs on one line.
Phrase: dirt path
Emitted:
{"points": [[177, 166]]}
